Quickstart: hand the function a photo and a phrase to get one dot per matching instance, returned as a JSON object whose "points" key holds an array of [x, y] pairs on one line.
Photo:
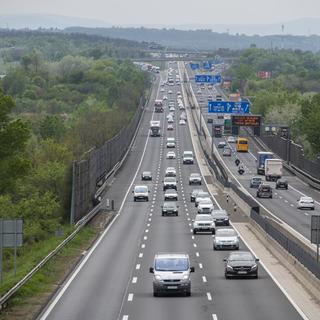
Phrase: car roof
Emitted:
{"points": [[171, 255]]}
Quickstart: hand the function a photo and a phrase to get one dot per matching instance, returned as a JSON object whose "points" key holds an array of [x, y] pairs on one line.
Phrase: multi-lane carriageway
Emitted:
{"points": [[284, 202], [113, 279]]}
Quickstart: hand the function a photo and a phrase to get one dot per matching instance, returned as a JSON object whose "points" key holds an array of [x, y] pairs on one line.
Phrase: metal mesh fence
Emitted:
{"points": [[96, 166], [292, 153]]}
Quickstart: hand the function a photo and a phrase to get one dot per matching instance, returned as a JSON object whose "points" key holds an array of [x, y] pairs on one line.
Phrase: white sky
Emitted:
{"points": [[173, 12]]}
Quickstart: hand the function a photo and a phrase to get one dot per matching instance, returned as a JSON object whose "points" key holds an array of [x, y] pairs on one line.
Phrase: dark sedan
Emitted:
{"points": [[146, 175], [241, 264], [220, 217], [169, 208], [282, 184]]}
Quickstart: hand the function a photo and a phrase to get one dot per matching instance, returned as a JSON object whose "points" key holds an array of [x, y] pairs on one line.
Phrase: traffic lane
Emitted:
{"points": [[213, 262], [242, 298], [212, 268], [283, 204], [170, 234], [76, 302]]}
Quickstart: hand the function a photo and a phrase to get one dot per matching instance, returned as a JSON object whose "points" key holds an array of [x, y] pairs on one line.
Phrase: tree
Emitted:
{"points": [[13, 137]]}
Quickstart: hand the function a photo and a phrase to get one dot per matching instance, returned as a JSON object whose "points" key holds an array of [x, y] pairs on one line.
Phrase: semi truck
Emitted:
{"points": [[262, 156], [273, 169], [158, 106], [155, 129]]}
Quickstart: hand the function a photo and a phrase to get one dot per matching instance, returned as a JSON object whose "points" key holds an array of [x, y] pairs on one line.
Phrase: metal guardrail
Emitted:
{"points": [[26, 278], [291, 245], [79, 225]]}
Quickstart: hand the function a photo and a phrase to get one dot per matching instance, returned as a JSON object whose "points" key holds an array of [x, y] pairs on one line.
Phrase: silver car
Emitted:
{"points": [[171, 194], [195, 178], [226, 238], [171, 273], [203, 223]]}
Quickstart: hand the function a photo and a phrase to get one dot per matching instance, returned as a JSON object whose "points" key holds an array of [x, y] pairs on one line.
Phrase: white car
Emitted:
{"points": [[201, 196], [182, 122], [164, 98], [162, 90], [305, 203], [171, 172], [205, 206], [171, 142], [171, 194], [231, 139], [172, 109], [199, 91], [226, 238], [203, 222], [171, 155], [170, 91], [170, 119], [141, 193]]}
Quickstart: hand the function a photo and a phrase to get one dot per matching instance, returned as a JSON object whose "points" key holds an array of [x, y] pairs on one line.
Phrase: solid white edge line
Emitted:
{"points": [[83, 262], [302, 314]]}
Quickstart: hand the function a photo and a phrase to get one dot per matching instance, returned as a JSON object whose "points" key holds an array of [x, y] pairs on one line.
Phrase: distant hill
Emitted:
{"points": [[203, 39], [47, 21]]}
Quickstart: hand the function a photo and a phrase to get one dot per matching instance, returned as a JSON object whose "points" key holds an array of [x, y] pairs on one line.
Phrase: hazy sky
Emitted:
{"points": [[173, 12]]}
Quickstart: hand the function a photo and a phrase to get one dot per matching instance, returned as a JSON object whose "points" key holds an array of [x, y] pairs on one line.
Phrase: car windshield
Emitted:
{"points": [[172, 264], [170, 179], [245, 256], [194, 175], [196, 191], [140, 189], [171, 191], [256, 179], [188, 153], [203, 195], [203, 217], [147, 173], [225, 233], [219, 215]]}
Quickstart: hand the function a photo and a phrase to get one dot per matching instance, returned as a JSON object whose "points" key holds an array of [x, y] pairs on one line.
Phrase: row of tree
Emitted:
{"points": [[290, 97], [51, 113]]}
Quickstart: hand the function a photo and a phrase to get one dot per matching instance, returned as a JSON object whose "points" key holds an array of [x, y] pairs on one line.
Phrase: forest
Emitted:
{"points": [[60, 95], [290, 97]]}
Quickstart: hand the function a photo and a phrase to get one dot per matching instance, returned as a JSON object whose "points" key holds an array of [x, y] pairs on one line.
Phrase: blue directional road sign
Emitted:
{"points": [[228, 107], [207, 65], [206, 78], [194, 66]]}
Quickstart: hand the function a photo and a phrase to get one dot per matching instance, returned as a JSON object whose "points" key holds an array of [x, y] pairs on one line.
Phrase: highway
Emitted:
{"points": [[113, 279], [284, 202]]}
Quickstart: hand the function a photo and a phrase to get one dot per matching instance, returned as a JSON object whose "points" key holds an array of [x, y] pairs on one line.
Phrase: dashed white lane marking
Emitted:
{"points": [[150, 214], [192, 237], [145, 238], [191, 230], [147, 230], [149, 219], [148, 225], [195, 245], [209, 296], [280, 197], [291, 205], [126, 317], [134, 280], [204, 279], [306, 213], [140, 255], [143, 246], [197, 254], [200, 265], [286, 201], [187, 213], [190, 224], [138, 266], [188, 219], [130, 296], [214, 317], [151, 209]]}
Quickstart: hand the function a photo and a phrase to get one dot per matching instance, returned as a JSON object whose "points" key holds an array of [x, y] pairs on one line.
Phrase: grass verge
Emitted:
{"points": [[35, 293]]}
